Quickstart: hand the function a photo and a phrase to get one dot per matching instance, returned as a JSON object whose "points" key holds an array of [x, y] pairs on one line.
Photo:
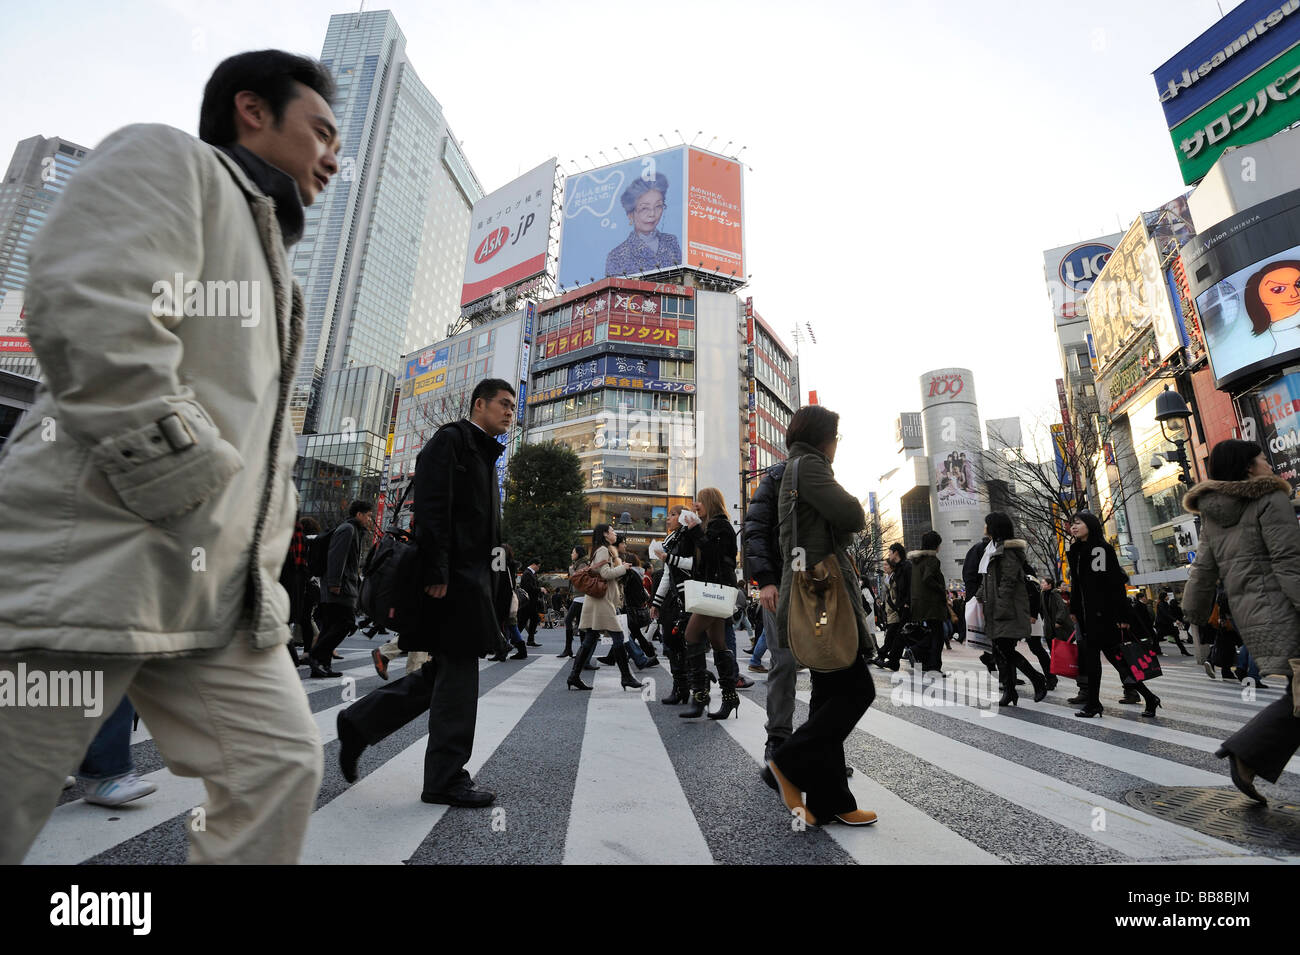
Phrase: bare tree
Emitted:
{"points": [[868, 545], [429, 413], [1042, 495]]}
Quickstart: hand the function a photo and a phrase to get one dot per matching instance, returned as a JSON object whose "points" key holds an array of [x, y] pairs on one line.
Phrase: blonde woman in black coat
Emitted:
{"points": [[1099, 603]]}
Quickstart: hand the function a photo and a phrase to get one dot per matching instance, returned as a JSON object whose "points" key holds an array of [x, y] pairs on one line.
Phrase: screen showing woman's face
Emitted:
{"points": [[1280, 293], [649, 210]]}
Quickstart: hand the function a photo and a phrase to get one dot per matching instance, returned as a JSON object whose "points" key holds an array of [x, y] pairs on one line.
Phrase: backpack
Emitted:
{"points": [[318, 555], [390, 587], [634, 595]]}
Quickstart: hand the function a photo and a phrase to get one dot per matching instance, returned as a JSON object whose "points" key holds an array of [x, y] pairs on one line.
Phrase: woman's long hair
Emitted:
{"points": [[598, 538], [1096, 538], [712, 503]]}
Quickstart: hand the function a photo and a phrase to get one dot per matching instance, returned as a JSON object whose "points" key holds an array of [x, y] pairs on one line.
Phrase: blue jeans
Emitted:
{"points": [[760, 648], [109, 755], [1247, 663], [636, 653]]}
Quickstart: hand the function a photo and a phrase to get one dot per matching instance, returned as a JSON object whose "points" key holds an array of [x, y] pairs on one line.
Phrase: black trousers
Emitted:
{"points": [[533, 611], [1044, 657], [813, 758], [337, 621], [1268, 741], [447, 687], [893, 645], [571, 625]]}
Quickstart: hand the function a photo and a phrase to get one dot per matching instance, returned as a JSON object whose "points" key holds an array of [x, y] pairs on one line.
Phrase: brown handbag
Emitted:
{"points": [[587, 583], [821, 621]]}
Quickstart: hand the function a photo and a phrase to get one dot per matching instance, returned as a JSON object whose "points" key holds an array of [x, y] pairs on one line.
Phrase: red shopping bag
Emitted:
{"points": [[1065, 658]]}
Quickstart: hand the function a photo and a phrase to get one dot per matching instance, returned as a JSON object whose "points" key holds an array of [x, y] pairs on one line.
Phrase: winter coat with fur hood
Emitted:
{"points": [[1250, 540], [1003, 594], [929, 595]]}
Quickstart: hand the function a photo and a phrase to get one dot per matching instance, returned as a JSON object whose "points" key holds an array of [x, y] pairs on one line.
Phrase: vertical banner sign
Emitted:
{"points": [[713, 226], [1068, 429]]}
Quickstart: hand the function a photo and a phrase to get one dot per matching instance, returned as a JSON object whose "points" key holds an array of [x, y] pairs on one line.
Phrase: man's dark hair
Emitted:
{"points": [[535, 560], [898, 549], [360, 507], [930, 540], [999, 526], [488, 389], [814, 425], [1231, 459], [271, 74]]}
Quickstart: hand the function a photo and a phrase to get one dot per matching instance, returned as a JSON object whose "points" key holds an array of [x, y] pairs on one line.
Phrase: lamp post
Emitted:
{"points": [[1172, 413]]}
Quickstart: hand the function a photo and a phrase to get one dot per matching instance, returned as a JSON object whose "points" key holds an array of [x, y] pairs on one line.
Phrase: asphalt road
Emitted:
{"points": [[612, 777]]}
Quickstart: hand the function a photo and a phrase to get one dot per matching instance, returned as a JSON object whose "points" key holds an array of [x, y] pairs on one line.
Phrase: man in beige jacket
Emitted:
{"points": [[146, 502]]}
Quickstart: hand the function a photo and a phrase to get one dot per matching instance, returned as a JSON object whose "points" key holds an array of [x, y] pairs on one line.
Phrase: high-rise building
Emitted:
{"points": [[383, 250], [37, 173]]}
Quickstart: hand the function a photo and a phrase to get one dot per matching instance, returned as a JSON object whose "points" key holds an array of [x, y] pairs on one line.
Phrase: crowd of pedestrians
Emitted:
{"points": [[182, 434]]}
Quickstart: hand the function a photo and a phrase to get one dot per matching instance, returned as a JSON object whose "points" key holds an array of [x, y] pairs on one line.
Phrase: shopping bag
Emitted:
{"points": [[1138, 658], [975, 635], [1065, 658], [710, 600]]}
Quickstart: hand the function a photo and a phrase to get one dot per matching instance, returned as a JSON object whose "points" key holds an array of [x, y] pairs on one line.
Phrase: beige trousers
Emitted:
{"points": [[414, 660], [237, 718]]}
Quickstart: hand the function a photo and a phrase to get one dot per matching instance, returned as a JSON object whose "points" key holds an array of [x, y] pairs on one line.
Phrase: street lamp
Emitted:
{"points": [[1172, 413]]}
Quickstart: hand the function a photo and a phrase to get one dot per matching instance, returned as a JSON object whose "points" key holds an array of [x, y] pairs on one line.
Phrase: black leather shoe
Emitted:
{"points": [[319, 672], [351, 746], [520, 654], [607, 659], [468, 798], [533, 643], [1239, 779], [769, 779]]}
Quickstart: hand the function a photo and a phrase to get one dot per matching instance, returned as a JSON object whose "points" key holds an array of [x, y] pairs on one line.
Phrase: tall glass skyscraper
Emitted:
{"points": [[35, 178], [382, 256]]}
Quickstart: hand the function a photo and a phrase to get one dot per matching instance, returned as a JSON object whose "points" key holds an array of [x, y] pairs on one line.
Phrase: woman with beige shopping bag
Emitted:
{"points": [[820, 618], [709, 597]]}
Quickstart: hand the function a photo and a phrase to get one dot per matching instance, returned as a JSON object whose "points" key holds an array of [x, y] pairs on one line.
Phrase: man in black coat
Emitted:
{"points": [[465, 592], [897, 599], [536, 604], [763, 564], [340, 586]]}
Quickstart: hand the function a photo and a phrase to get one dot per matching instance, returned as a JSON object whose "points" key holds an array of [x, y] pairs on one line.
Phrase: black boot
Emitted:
{"points": [[680, 692], [620, 657], [584, 654], [728, 670], [697, 678]]}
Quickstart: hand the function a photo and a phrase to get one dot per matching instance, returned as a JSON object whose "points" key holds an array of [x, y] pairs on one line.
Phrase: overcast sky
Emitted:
{"points": [[909, 162]]}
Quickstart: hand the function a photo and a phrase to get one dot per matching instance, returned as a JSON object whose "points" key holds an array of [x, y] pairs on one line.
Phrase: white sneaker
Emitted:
{"points": [[116, 791]]}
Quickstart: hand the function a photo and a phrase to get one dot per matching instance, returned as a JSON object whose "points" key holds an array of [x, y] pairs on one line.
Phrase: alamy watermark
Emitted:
{"points": [[977, 688], [212, 298], [53, 688]]}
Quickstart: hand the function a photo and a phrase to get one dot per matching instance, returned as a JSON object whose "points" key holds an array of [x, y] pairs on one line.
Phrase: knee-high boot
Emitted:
{"points": [[697, 678], [620, 657], [676, 666], [728, 670], [584, 654]]}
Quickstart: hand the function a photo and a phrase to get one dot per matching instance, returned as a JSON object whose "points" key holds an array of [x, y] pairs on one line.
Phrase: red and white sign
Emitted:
{"points": [[508, 234]]}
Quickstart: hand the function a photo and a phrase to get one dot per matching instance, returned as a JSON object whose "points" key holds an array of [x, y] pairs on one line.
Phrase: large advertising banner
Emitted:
{"points": [[1130, 295], [1274, 410], [954, 475], [1251, 35], [713, 224], [625, 219], [1245, 280], [508, 233], [13, 331], [1070, 271]]}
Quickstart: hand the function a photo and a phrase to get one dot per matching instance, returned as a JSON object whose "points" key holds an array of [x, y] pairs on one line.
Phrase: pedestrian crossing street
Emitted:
{"points": [[613, 776]]}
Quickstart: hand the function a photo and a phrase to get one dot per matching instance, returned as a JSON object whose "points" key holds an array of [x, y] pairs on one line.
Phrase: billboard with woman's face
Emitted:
{"points": [[625, 219], [1245, 278]]}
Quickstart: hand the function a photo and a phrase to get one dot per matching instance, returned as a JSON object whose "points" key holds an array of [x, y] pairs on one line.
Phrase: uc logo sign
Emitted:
{"points": [[950, 385], [1081, 266]]}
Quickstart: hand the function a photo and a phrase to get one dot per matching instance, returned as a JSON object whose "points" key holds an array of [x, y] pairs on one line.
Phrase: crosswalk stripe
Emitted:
{"points": [[1163, 772], [904, 834], [628, 804], [1127, 830], [380, 819]]}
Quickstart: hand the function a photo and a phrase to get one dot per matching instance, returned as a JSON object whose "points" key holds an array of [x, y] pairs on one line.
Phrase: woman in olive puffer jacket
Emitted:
{"points": [[1250, 540]]}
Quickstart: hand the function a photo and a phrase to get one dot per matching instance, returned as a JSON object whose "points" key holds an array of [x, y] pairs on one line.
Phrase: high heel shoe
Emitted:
{"points": [[730, 704], [1089, 711], [628, 681], [1235, 769], [1051, 681], [1009, 698], [1151, 706], [575, 683], [699, 705], [1040, 692]]}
